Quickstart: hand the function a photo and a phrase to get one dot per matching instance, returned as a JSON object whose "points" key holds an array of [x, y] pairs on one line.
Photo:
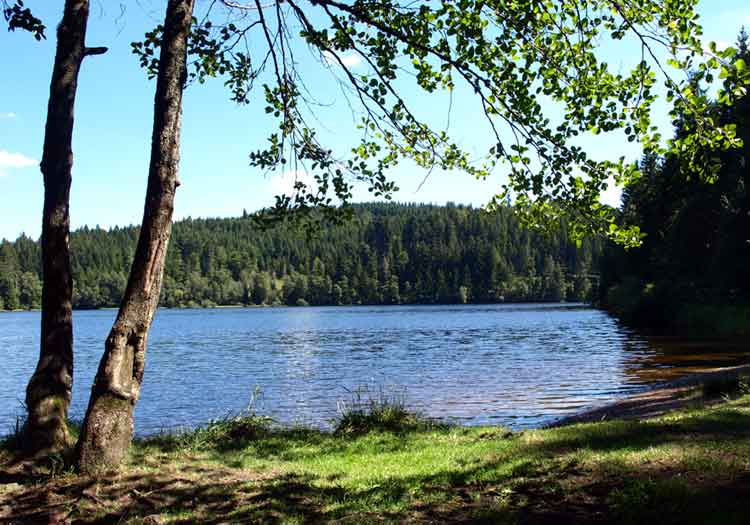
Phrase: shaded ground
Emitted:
{"points": [[690, 467]]}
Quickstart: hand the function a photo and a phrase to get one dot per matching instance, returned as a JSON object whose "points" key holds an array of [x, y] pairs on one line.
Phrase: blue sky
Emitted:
{"points": [[113, 127]]}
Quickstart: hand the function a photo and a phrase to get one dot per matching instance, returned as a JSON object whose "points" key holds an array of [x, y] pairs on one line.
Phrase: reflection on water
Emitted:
{"points": [[656, 359], [515, 365]]}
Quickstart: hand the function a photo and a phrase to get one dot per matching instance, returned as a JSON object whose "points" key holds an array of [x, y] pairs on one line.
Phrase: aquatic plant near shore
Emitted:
{"points": [[240, 427], [380, 410]]}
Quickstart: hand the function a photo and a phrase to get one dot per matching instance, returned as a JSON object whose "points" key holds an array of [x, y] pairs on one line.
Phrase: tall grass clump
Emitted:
{"points": [[13, 441], [230, 431], [380, 410]]}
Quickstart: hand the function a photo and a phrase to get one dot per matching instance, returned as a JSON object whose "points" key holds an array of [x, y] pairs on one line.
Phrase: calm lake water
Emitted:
{"points": [[515, 365]]}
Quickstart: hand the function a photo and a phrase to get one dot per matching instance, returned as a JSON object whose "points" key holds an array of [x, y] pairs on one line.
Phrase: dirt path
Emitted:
{"points": [[665, 397]]}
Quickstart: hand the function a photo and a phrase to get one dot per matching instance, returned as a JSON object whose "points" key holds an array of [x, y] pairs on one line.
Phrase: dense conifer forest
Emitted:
{"points": [[694, 263], [387, 254]]}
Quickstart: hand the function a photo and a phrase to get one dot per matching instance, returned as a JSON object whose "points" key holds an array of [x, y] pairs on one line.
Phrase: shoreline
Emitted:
{"points": [[660, 399], [282, 305]]}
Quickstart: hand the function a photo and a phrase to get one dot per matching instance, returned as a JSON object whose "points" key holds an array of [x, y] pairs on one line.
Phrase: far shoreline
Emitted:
{"points": [[243, 306]]}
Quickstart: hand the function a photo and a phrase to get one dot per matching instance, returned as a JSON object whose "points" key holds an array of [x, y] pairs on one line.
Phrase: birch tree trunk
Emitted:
{"points": [[49, 389], [108, 427]]}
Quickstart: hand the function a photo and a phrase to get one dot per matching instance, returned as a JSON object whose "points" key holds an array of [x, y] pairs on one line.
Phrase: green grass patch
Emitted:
{"points": [[689, 467]]}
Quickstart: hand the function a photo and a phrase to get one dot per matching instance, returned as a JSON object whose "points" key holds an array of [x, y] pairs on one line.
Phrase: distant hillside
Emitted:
{"points": [[388, 254]]}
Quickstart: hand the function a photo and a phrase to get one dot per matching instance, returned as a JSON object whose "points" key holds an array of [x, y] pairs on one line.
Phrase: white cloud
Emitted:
{"points": [[283, 183], [9, 114], [349, 59], [10, 160]]}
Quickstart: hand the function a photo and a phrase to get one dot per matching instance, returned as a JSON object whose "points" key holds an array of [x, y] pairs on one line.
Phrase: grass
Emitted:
{"points": [[381, 410], [688, 467]]}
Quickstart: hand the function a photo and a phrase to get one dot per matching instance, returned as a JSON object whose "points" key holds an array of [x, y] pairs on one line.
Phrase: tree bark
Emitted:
{"points": [[108, 427], [49, 390]]}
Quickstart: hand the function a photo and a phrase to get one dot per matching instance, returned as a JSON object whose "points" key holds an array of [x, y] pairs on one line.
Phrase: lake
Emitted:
{"points": [[516, 365]]}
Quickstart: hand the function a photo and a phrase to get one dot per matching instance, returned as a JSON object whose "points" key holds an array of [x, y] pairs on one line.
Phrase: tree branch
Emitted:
{"points": [[89, 51]]}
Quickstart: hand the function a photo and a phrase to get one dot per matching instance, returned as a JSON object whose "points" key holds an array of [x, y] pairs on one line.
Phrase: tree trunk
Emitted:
{"points": [[108, 426], [49, 390]]}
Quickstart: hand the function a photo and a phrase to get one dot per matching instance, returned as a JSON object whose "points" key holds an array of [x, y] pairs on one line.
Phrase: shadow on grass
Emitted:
{"points": [[530, 481], [223, 498], [212, 496], [728, 424]]}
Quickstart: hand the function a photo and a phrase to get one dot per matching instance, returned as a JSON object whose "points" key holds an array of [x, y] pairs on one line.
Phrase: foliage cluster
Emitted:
{"points": [[18, 16], [537, 77]]}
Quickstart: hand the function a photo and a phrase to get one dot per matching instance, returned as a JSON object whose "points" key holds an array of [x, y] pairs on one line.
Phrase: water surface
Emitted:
{"points": [[515, 365]]}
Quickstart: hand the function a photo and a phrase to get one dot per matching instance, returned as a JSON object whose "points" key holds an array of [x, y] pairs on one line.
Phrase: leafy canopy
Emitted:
{"points": [[518, 57], [17, 16]]}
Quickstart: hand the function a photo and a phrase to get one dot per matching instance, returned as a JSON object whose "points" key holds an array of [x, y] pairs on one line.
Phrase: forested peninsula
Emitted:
{"points": [[387, 254], [691, 274]]}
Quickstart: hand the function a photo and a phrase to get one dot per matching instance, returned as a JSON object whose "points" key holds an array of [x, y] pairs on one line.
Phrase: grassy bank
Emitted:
{"points": [[688, 467]]}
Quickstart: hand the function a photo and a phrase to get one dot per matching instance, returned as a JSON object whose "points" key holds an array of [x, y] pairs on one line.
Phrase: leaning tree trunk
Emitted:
{"points": [[108, 426], [48, 392]]}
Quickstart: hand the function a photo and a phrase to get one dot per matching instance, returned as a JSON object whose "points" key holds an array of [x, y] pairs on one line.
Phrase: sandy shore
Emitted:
{"points": [[659, 400]]}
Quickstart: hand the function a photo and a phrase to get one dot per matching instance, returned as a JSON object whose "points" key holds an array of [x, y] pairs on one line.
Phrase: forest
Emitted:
{"points": [[692, 266], [387, 254]]}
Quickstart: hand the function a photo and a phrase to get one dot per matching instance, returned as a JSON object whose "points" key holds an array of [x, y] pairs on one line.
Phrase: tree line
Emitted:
{"points": [[387, 254]]}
